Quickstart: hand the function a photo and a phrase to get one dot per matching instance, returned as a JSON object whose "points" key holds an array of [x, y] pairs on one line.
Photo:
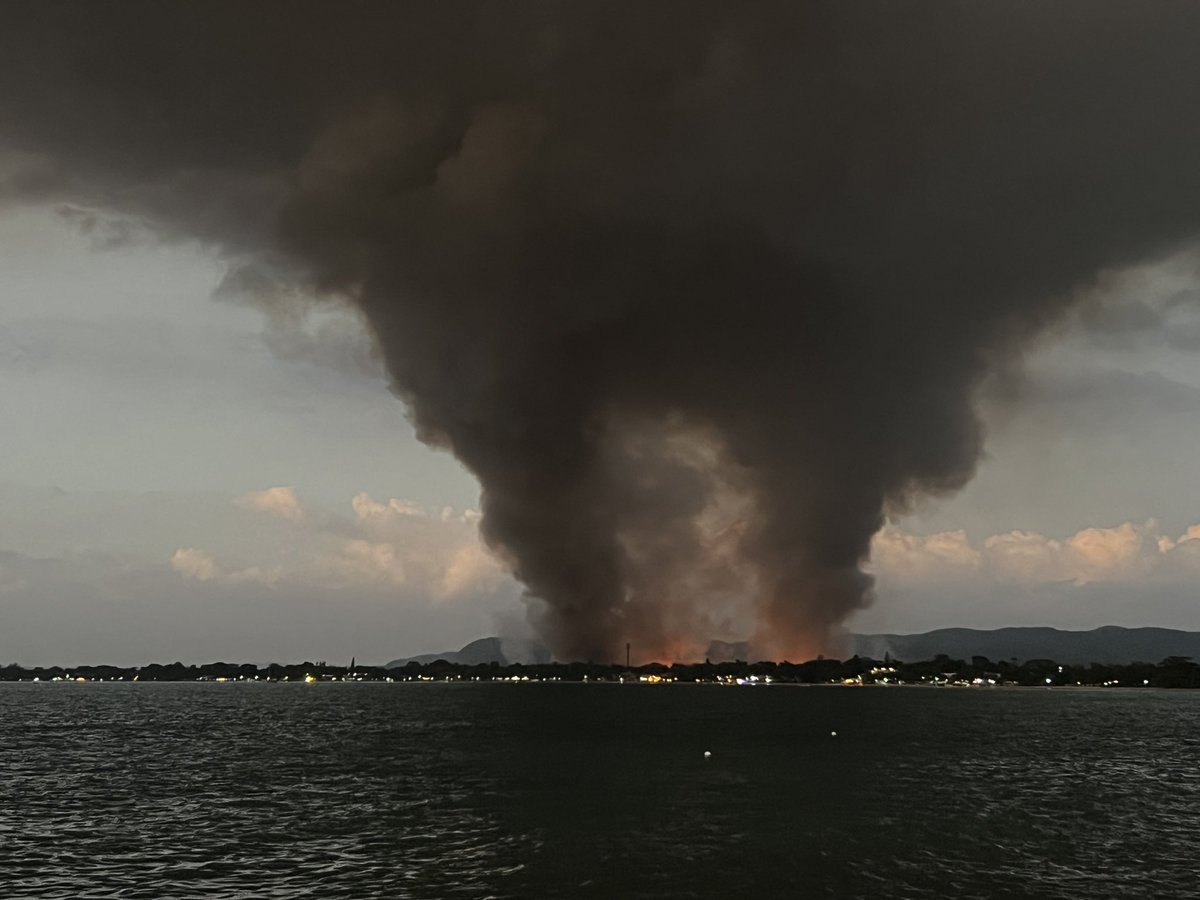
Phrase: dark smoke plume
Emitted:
{"points": [[699, 291]]}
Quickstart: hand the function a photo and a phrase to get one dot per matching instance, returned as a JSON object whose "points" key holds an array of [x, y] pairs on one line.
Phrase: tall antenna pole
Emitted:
{"points": [[626, 655]]}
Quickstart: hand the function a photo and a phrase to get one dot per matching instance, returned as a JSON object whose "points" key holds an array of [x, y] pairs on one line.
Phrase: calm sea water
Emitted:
{"points": [[561, 790]]}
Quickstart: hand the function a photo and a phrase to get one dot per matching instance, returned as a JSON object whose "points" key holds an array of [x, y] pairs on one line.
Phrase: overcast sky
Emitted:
{"points": [[185, 479], [142, 419]]}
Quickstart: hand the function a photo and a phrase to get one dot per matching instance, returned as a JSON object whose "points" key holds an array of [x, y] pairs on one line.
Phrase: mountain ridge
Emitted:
{"points": [[1113, 644]]}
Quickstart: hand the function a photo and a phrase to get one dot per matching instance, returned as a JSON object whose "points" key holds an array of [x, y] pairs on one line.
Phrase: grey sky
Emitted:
{"points": [[137, 409], [127, 375]]}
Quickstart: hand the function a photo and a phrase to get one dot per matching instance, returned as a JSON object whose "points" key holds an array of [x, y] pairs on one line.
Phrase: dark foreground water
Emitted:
{"points": [[561, 790]]}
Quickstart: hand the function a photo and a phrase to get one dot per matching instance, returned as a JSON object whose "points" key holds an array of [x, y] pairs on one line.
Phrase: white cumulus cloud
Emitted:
{"points": [[276, 501], [388, 545], [1123, 553], [194, 564]]}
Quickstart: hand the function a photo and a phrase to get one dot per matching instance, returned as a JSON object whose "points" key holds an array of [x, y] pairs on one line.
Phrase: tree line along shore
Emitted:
{"points": [[1172, 672]]}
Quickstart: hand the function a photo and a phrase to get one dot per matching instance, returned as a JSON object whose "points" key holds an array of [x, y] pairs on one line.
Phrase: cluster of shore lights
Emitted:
{"points": [[748, 680], [945, 680]]}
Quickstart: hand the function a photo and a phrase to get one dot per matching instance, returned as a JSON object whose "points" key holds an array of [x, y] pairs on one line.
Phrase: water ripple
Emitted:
{"points": [[234, 792]]}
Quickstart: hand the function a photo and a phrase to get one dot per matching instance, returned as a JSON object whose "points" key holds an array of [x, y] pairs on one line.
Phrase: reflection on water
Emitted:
{"points": [[565, 790]]}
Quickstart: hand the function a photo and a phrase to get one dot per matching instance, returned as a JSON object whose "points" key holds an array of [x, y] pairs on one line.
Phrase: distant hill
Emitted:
{"points": [[483, 651], [1110, 644]]}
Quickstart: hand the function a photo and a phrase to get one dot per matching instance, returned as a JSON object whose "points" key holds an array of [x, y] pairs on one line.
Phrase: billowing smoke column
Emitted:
{"points": [[698, 291]]}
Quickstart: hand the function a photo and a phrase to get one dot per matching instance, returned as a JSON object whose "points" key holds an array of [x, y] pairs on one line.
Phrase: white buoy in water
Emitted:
{"points": [[708, 754], [833, 734]]}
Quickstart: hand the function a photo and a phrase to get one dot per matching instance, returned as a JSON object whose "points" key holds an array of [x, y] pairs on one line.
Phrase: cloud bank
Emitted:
{"points": [[435, 553], [1128, 553]]}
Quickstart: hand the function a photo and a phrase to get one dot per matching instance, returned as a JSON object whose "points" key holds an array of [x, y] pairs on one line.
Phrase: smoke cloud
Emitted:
{"points": [[698, 291]]}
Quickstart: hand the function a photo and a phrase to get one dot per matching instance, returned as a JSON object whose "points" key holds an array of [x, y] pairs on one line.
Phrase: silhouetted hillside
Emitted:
{"points": [[504, 651], [1110, 644]]}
